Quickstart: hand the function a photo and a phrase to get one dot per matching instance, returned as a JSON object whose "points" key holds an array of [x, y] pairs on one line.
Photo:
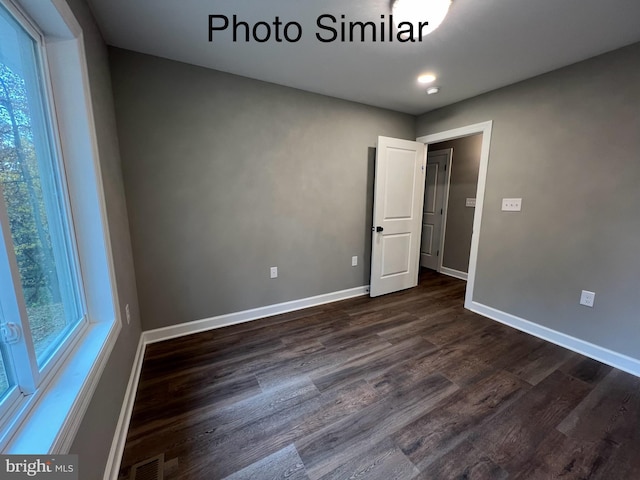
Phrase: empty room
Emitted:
{"points": [[383, 239]]}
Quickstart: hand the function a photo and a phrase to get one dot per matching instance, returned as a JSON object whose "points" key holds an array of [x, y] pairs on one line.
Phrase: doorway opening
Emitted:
{"points": [[451, 182], [456, 172]]}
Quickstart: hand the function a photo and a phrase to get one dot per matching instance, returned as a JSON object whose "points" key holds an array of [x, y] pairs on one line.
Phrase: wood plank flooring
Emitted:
{"points": [[405, 386]]}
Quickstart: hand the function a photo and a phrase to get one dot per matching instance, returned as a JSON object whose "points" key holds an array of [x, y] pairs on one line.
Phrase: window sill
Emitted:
{"points": [[49, 419]]}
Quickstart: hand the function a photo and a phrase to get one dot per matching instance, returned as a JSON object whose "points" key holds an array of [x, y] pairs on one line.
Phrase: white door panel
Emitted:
{"points": [[397, 215], [398, 199], [427, 239], [396, 254], [430, 188]]}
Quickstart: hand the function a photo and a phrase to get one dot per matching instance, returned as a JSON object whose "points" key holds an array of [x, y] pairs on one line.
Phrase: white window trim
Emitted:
{"points": [[48, 420]]}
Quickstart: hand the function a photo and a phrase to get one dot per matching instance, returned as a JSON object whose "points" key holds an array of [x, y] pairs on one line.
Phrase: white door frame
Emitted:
{"points": [[485, 129], [445, 207]]}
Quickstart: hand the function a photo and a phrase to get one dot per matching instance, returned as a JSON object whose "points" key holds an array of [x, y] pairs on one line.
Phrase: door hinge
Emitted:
{"points": [[438, 253], [441, 211], [445, 167], [10, 333]]}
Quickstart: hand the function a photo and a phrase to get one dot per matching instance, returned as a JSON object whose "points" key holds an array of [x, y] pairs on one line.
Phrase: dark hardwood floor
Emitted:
{"points": [[409, 385]]}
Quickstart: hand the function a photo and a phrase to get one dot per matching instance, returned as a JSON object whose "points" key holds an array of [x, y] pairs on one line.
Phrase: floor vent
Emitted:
{"points": [[149, 469]]}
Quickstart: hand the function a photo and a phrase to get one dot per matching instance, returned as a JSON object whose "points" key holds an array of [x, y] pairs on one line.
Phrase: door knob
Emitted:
{"points": [[379, 229]]}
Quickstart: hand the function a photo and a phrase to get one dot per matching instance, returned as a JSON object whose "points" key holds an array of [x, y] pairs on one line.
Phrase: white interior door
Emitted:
{"points": [[397, 215], [434, 209]]}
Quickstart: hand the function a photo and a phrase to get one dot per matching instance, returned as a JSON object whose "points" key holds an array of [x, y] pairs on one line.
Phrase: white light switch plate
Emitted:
{"points": [[511, 204], [471, 202], [354, 261], [274, 272]]}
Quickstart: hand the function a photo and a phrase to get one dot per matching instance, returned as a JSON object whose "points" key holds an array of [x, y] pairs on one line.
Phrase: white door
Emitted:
{"points": [[397, 215], [433, 214]]}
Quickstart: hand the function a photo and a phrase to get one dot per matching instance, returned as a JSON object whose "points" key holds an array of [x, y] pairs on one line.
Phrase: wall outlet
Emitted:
{"points": [[511, 204], [354, 261], [274, 272], [127, 313], [587, 298]]}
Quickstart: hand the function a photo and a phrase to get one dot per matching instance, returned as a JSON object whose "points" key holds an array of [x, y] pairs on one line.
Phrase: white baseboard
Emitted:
{"points": [[454, 273], [151, 336], [117, 445], [205, 324], [602, 354]]}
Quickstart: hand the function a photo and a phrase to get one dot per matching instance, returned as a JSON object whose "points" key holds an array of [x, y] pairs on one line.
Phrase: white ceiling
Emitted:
{"points": [[482, 44]]}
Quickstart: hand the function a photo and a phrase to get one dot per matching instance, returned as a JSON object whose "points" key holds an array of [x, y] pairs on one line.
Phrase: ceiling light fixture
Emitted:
{"points": [[424, 15], [432, 90], [426, 78]]}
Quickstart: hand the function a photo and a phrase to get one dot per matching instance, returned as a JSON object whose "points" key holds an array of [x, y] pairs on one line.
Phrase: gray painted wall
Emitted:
{"points": [[227, 176], [94, 437], [463, 185], [568, 143]]}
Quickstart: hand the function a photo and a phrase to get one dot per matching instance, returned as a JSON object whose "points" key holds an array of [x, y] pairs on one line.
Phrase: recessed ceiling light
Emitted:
{"points": [[432, 90], [426, 78]]}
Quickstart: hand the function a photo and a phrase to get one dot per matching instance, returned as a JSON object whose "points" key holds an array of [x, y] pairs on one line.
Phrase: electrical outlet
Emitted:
{"points": [[587, 298], [274, 272], [511, 204], [127, 313], [354, 261]]}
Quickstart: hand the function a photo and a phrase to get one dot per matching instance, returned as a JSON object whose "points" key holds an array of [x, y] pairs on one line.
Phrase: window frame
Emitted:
{"points": [[63, 386], [71, 337]]}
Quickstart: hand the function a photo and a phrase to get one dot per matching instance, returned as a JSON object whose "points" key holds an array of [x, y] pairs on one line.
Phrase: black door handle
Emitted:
{"points": [[379, 229]]}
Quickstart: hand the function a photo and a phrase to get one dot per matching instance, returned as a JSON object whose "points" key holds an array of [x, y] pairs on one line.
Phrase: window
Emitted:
{"points": [[41, 305], [34, 207], [58, 315]]}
